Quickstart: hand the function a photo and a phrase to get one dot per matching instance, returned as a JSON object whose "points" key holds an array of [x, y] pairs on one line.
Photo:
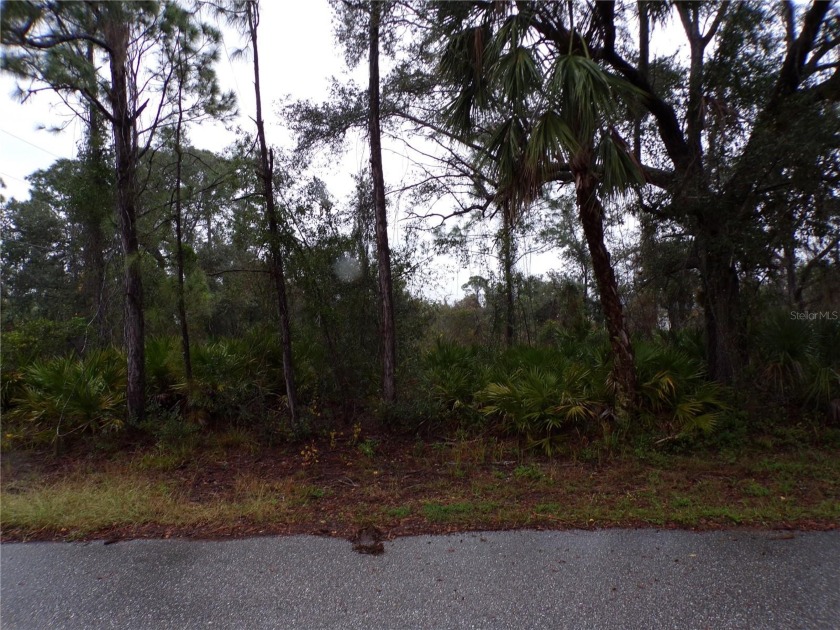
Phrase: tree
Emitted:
{"points": [[543, 120], [778, 54], [48, 44], [193, 51], [92, 203], [37, 253], [362, 27], [383, 250], [246, 16]]}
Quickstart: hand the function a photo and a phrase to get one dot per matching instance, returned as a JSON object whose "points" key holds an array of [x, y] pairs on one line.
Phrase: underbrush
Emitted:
{"points": [[558, 398], [545, 394]]}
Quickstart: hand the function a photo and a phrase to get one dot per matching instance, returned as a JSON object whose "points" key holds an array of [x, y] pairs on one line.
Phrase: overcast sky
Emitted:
{"points": [[298, 55]]}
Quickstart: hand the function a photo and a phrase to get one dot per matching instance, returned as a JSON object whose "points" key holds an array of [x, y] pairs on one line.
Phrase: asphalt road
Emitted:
{"points": [[579, 579]]}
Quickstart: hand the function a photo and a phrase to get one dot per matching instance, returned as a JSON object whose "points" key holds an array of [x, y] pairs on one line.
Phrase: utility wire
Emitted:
{"points": [[13, 177], [9, 133]]}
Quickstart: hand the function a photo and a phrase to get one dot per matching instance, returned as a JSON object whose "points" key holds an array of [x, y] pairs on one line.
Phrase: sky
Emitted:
{"points": [[25, 145], [298, 55]]}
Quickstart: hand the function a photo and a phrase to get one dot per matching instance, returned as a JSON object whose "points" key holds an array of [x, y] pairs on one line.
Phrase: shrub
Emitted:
{"points": [[228, 383], [673, 388], [68, 395], [38, 339], [800, 359], [452, 375], [539, 404]]}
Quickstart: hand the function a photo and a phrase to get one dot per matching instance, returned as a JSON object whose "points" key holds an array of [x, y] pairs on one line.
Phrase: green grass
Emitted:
{"points": [[398, 512], [90, 504], [457, 512], [530, 472], [83, 505], [209, 492]]}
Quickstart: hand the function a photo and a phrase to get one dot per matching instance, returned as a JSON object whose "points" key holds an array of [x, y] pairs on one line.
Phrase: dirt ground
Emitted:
{"points": [[404, 487]]}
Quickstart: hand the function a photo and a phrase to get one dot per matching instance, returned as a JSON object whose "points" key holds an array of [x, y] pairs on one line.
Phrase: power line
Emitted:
{"points": [[13, 177], [9, 133]]}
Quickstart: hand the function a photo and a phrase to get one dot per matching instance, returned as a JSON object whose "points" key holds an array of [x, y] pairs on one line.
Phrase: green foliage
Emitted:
{"points": [[34, 340], [227, 382], [164, 366], [368, 448], [452, 374], [68, 395], [673, 388], [540, 405], [532, 473], [800, 359]]}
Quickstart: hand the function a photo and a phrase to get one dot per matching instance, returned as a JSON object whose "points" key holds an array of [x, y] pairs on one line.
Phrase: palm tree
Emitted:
{"points": [[543, 119]]}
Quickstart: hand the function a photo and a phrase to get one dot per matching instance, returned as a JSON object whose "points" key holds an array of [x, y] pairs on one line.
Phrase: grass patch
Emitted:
{"points": [[398, 512], [457, 512], [238, 491], [83, 505], [86, 505], [530, 472]]}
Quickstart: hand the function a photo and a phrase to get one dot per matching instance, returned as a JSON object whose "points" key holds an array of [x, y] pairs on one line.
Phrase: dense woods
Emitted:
{"points": [[689, 201]]}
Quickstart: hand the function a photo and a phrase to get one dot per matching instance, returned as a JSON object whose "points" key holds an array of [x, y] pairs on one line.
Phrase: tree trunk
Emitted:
{"points": [[266, 172], [124, 120], [179, 239], [93, 216], [721, 305], [791, 281], [644, 67], [383, 252], [591, 214], [507, 277]]}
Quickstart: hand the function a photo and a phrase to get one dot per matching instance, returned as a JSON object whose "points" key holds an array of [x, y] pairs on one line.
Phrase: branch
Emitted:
{"points": [[791, 74], [715, 24], [670, 129], [224, 271]]}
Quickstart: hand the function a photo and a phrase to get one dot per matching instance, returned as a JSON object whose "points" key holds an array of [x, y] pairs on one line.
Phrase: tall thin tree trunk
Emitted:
{"points": [[95, 237], [179, 238], [266, 176], [791, 281], [94, 214], [725, 352], [116, 34], [507, 276], [591, 214], [383, 252], [644, 67]]}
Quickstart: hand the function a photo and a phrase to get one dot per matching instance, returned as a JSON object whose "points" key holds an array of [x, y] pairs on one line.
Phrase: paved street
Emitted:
{"points": [[578, 579]]}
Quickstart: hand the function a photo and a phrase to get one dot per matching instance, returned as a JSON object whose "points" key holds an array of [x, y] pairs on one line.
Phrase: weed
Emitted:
{"points": [[160, 460], [334, 436], [456, 512], [398, 512], [754, 489], [589, 455], [309, 454], [681, 502], [316, 493], [236, 438], [368, 448], [530, 472]]}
